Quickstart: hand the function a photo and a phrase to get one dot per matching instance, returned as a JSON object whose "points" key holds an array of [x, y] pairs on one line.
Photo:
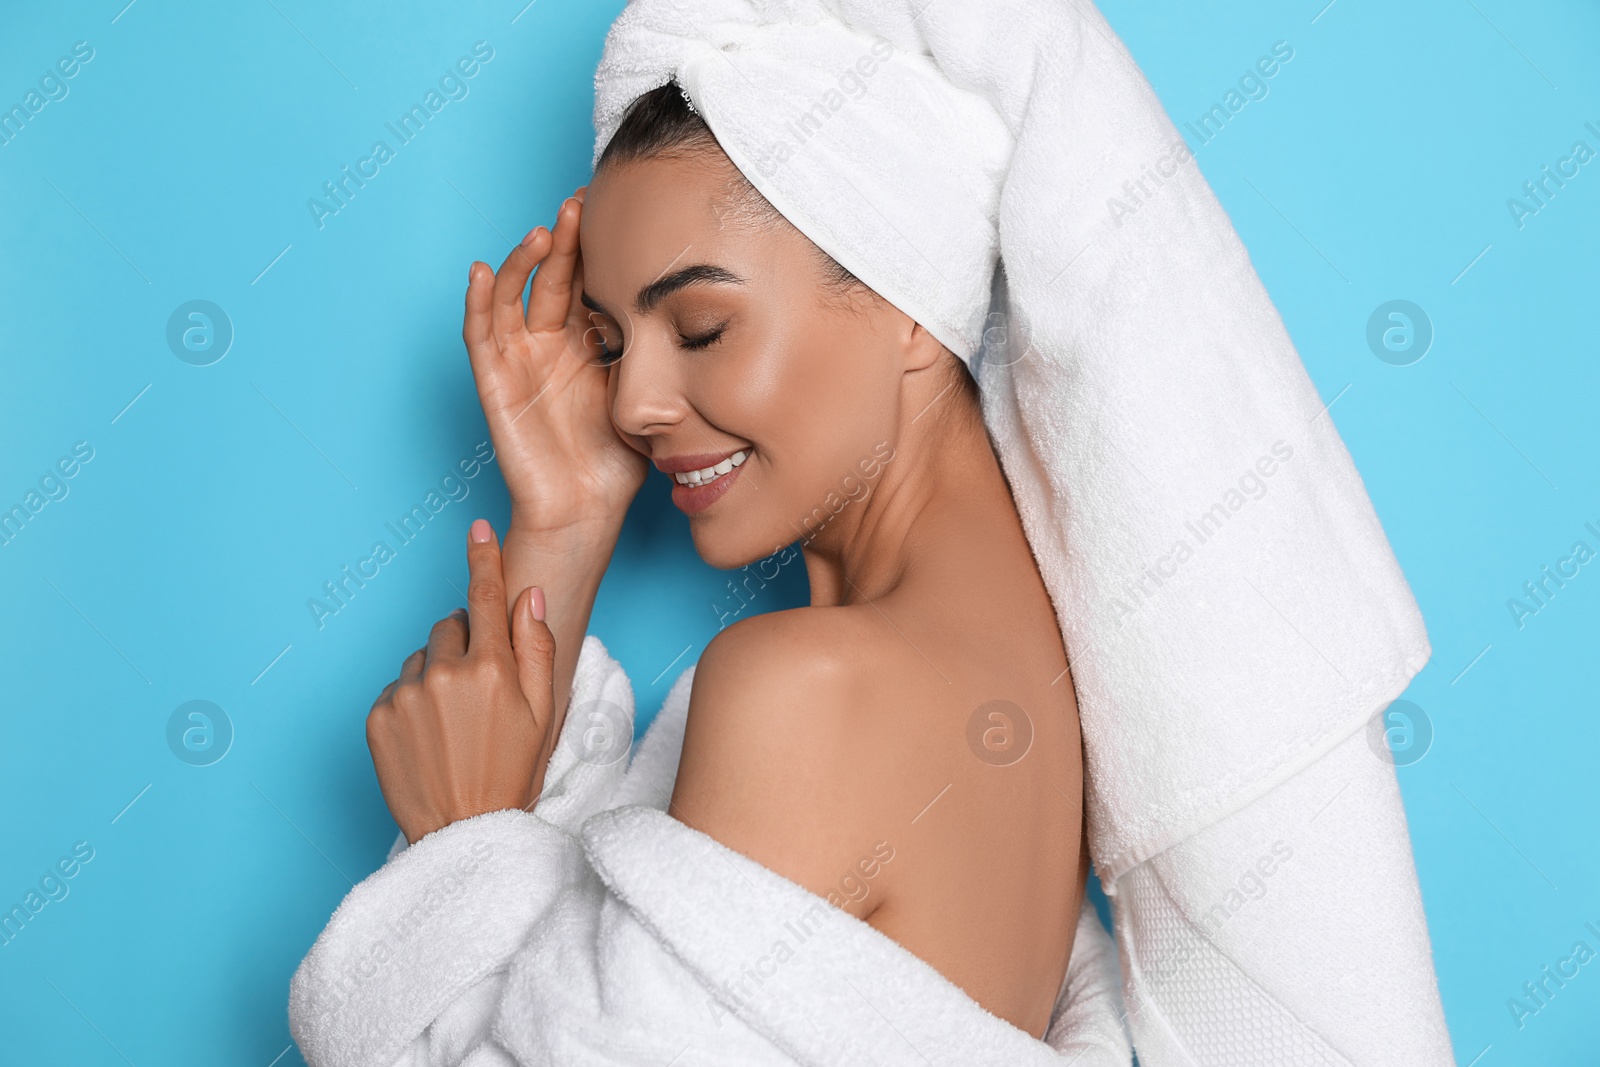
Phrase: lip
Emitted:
{"points": [[691, 499], [698, 461]]}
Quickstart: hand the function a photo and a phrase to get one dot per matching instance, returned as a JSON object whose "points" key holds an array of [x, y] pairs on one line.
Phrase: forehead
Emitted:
{"points": [[642, 217]]}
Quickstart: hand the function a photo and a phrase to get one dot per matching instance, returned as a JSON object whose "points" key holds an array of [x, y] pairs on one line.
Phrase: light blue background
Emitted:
{"points": [[179, 565]]}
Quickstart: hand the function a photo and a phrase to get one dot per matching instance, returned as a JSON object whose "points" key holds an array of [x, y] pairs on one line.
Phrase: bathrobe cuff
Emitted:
{"points": [[422, 930]]}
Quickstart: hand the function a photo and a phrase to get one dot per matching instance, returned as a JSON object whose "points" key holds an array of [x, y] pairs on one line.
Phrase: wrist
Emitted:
{"points": [[569, 538]]}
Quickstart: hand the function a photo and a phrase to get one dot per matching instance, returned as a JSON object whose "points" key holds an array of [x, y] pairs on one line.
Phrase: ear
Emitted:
{"points": [[922, 349]]}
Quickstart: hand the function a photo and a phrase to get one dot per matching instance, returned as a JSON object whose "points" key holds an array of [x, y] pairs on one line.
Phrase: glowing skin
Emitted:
{"points": [[814, 733]]}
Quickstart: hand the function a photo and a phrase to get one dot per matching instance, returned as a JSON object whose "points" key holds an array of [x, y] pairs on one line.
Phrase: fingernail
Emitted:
{"points": [[536, 603], [528, 240], [481, 531]]}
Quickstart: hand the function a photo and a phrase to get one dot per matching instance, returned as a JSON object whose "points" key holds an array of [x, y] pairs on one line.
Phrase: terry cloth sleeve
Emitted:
{"points": [[411, 965]]}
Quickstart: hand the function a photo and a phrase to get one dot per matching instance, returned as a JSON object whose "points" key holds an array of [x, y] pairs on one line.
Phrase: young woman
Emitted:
{"points": [[1231, 639], [677, 322]]}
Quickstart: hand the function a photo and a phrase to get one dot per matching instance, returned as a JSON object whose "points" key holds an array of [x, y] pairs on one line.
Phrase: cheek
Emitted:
{"points": [[801, 387], [815, 407]]}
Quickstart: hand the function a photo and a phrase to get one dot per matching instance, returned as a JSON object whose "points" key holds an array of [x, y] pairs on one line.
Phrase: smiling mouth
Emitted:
{"points": [[707, 475]]}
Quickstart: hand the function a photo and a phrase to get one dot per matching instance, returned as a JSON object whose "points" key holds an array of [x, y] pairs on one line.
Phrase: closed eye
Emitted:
{"points": [[703, 340]]}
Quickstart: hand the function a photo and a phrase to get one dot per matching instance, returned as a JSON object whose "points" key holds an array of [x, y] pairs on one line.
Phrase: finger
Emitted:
{"points": [[512, 278], [589, 325], [535, 649], [447, 640], [549, 303], [388, 691], [577, 312], [476, 323], [486, 594], [411, 669]]}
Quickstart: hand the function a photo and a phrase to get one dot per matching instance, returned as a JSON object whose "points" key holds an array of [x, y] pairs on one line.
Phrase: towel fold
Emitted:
{"points": [[597, 929], [1288, 933]]}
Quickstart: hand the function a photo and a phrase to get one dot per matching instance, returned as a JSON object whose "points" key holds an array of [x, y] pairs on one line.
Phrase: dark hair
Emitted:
{"points": [[663, 124]]}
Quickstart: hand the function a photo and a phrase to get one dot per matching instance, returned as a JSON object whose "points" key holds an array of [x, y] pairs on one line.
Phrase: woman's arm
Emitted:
{"points": [[544, 395], [571, 478], [566, 567]]}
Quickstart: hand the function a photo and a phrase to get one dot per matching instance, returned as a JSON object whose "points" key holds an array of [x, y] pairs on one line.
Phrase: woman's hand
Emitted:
{"points": [[542, 388], [466, 729]]}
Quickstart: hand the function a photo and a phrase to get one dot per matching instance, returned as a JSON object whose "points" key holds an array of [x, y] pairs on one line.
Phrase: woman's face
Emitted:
{"points": [[731, 341]]}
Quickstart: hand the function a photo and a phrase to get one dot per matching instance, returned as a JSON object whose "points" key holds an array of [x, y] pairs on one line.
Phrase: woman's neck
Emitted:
{"points": [[942, 487]]}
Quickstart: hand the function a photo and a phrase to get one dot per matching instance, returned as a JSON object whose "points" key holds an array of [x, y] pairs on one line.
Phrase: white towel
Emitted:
{"points": [[1231, 608], [599, 930]]}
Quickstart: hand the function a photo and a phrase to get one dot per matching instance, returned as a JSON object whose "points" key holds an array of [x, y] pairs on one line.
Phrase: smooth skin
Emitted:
{"points": [[819, 739]]}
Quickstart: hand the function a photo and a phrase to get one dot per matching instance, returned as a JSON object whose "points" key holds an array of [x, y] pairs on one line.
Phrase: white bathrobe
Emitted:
{"points": [[597, 929]]}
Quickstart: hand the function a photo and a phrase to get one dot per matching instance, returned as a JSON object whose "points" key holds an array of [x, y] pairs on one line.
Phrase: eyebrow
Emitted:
{"points": [[663, 287]]}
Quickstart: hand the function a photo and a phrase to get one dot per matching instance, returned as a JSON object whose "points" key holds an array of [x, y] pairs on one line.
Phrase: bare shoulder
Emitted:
{"points": [[774, 762], [795, 658]]}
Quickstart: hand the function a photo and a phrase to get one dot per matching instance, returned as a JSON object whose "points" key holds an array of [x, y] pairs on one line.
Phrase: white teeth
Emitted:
{"points": [[712, 473]]}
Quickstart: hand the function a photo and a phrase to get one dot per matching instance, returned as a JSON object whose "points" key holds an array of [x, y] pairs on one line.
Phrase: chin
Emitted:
{"points": [[721, 546], [719, 551]]}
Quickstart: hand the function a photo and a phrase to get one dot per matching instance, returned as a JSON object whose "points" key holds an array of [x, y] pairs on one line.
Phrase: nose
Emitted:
{"points": [[645, 394]]}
